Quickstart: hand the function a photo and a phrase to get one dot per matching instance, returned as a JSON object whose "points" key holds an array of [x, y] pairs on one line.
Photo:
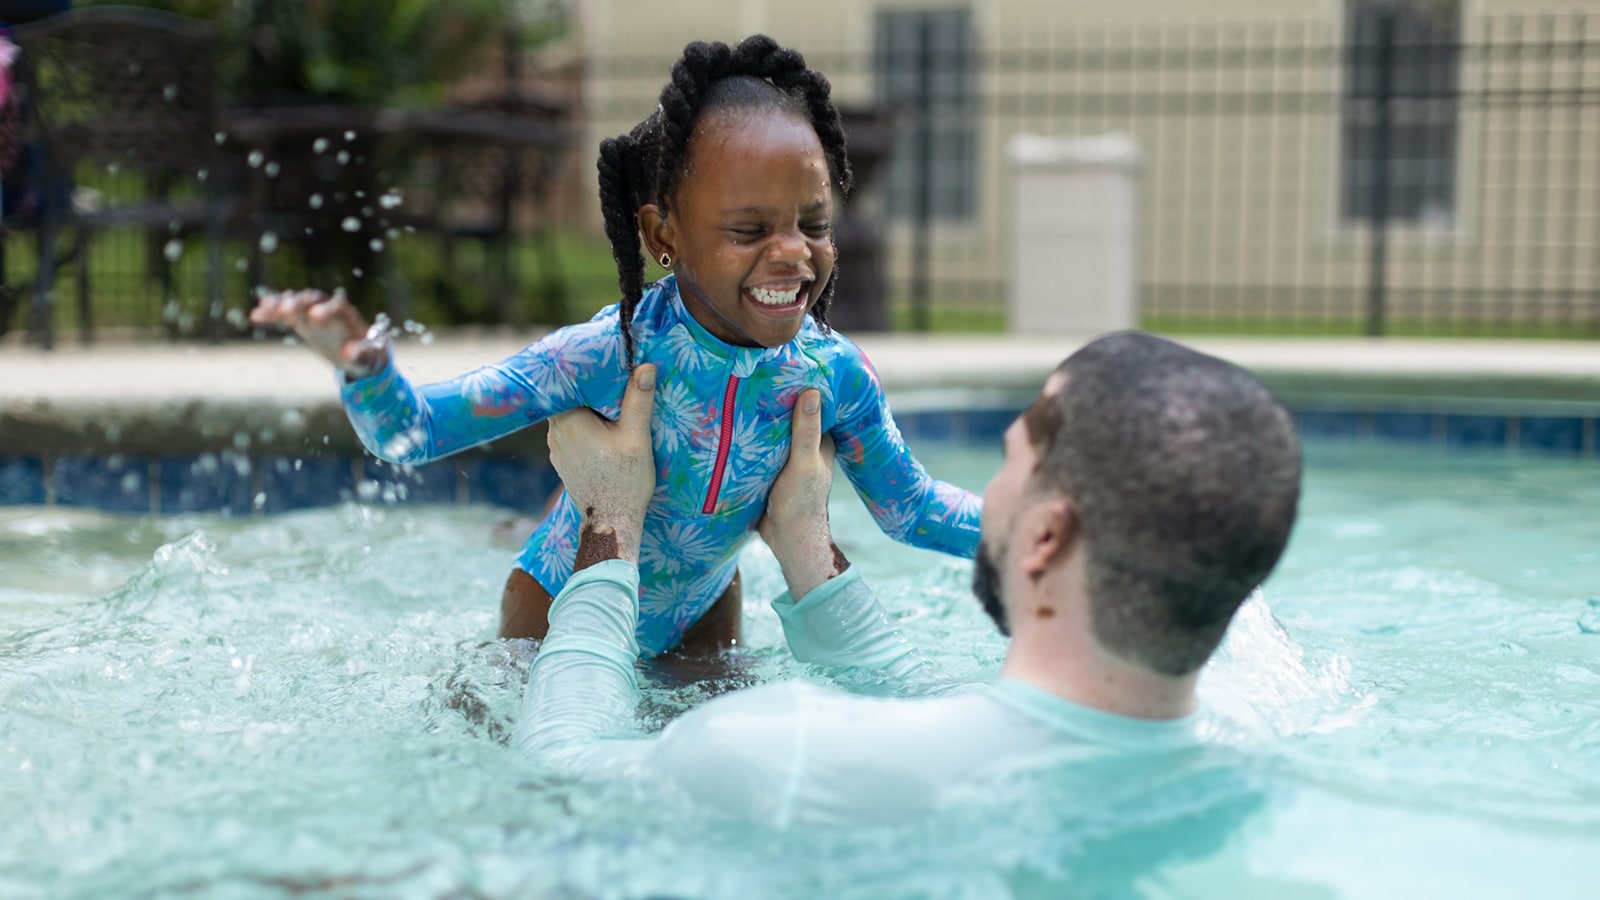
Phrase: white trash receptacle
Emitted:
{"points": [[1074, 233]]}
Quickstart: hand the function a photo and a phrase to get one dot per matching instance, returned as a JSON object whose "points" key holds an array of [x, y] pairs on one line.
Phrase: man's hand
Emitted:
{"points": [[795, 524], [609, 470], [329, 324]]}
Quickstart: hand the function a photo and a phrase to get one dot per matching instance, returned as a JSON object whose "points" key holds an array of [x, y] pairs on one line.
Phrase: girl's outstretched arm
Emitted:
{"points": [[908, 504], [399, 422]]}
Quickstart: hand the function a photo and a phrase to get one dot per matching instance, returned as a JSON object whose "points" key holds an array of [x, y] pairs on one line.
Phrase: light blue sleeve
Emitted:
{"points": [[738, 753], [841, 625], [908, 504], [581, 689], [400, 422]]}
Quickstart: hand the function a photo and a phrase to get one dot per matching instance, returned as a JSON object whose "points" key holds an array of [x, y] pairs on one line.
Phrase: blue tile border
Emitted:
{"points": [[116, 483], [520, 484], [208, 483], [1551, 434], [290, 482], [234, 483], [1403, 427], [21, 481]]}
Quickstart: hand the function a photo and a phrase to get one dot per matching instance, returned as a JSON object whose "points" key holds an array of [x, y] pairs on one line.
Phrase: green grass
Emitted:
{"points": [[127, 293]]}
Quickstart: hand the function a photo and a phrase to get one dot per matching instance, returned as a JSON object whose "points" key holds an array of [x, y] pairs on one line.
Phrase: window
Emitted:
{"points": [[923, 71], [1405, 52]]}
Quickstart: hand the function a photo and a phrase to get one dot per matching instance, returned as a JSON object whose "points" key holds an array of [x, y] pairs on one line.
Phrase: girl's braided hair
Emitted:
{"points": [[644, 165]]}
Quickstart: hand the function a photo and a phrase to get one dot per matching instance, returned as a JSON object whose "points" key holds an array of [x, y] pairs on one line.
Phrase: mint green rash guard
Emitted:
{"points": [[791, 752], [720, 432]]}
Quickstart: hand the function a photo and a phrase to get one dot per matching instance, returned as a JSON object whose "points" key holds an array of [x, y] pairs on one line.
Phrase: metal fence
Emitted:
{"points": [[1407, 169]]}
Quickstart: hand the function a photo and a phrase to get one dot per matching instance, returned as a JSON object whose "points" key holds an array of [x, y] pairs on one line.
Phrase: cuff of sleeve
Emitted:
{"points": [[786, 606], [370, 384], [617, 572]]}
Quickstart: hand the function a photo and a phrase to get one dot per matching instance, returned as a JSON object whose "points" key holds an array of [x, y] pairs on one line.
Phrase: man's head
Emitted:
{"points": [[1176, 476]]}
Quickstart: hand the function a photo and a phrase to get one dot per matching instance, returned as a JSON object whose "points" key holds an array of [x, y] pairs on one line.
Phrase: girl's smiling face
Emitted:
{"points": [[750, 226]]}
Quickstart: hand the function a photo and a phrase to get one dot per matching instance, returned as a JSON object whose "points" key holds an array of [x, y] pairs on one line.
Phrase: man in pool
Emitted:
{"points": [[1143, 494]]}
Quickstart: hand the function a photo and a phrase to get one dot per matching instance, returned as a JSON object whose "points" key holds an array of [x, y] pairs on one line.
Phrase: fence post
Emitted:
{"points": [[1383, 97], [922, 193]]}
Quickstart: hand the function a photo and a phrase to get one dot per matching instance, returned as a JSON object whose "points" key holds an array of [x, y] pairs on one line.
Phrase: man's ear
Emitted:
{"points": [[1049, 532], [657, 231]]}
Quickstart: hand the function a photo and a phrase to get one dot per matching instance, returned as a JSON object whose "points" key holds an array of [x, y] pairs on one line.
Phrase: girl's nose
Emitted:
{"points": [[790, 247]]}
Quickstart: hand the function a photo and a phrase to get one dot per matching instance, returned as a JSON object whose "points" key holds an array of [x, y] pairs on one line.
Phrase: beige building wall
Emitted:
{"points": [[1239, 204]]}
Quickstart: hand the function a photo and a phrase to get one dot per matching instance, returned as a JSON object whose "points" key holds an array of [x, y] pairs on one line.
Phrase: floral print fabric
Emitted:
{"points": [[690, 552]]}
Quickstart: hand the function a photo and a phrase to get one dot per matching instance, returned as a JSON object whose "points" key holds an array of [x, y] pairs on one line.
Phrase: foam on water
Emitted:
{"points": [[313, 703]]}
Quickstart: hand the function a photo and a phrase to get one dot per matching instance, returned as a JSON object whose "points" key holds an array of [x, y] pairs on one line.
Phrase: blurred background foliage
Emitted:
{"points": [[379, 52]]}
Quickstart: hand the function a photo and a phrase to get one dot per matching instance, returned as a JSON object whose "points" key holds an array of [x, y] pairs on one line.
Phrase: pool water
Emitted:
{"points": [[312, 704]]}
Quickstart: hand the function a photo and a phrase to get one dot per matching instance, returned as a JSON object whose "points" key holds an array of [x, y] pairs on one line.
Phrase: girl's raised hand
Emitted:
{"points": [[329, 324]]}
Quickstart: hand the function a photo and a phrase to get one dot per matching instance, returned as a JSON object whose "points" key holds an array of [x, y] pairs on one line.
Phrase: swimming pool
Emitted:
{"points": [[310, 704]]}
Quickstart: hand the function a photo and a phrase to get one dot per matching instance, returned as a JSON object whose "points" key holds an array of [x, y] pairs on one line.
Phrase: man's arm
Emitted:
{"points": [[582, 687], [829, 615]]}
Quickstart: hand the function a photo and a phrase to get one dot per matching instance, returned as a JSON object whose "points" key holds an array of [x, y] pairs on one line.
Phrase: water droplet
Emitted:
{"points": [[319, 145], [316, 201], [357, 272], [255, 158], [389, 200], [170, 92], [272, 169], [221, 138], [169, 313], [269, 242], [376, 244], [260, 501], [203, 174], [351, 224], [173, 251], [343, 157], [237, 319], [349, 135]]}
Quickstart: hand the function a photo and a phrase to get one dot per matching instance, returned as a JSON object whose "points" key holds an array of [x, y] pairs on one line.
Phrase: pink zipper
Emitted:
{"points": [[722, 448]]}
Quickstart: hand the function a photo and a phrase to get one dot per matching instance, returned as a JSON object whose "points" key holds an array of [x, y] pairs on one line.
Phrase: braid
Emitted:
{"points": [[701, 65], [644, 165], [619, 203]]}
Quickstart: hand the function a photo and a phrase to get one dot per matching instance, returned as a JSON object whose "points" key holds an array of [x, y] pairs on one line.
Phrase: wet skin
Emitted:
{"points": [[752, 214]]}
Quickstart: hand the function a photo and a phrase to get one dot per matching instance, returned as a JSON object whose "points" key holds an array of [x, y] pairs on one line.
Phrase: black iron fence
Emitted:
{"points": [[1407, 169]]}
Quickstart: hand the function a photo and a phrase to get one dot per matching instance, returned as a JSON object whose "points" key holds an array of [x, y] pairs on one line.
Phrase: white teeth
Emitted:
{"points": [[767, 297]]}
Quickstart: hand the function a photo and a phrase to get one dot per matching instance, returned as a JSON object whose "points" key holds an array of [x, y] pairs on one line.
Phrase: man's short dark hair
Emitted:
{"points": [[1184, 471]]}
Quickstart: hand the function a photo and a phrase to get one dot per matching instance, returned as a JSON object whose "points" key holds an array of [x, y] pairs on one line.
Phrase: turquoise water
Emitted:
{"points": [[311, 705]]}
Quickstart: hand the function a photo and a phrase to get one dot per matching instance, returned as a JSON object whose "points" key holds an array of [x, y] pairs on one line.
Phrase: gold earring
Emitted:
{"points": [[666, 260]]}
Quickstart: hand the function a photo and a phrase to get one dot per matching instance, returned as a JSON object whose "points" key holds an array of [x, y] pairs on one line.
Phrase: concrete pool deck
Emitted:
{"points": [[275, 371]]}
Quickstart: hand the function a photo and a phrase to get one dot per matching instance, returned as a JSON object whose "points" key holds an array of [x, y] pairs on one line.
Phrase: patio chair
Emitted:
{"points": [[131, 92]]}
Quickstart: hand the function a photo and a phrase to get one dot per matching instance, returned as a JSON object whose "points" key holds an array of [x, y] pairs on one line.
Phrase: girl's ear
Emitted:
{"points": [[657, 232]]}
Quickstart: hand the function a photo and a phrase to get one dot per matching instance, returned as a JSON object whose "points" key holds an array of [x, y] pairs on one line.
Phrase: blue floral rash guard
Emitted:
{"points": [[721, 435]]}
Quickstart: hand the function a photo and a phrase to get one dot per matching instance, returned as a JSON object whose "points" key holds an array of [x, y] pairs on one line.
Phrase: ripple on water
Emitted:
{"points": [[313, 703]]}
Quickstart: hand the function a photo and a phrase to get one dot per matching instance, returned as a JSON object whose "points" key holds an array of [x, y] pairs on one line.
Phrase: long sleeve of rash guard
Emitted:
{"points": [[907, 503], [582, 692], [405, 423]]}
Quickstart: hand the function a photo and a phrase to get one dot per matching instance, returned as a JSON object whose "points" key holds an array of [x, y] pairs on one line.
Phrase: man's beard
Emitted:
{"points": [[986, 584]]}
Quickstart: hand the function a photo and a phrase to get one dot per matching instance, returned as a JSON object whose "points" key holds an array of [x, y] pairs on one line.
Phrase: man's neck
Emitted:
{"points": [[1060, 656]]}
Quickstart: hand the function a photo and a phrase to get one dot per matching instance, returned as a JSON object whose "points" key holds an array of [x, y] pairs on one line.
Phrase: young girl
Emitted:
{"points": [[730, 183]]}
